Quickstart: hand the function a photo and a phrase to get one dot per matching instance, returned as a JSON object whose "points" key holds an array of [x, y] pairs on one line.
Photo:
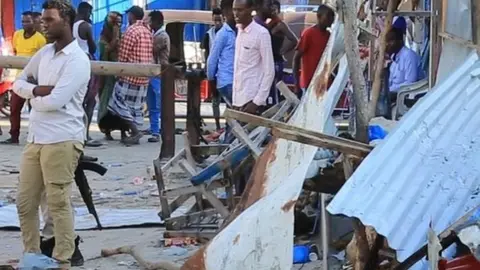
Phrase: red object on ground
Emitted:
{"points": [[462, 263]]}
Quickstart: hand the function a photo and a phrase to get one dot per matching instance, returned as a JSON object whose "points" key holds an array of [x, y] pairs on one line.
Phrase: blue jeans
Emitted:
{"points": [[154, 101], [226, 93]]}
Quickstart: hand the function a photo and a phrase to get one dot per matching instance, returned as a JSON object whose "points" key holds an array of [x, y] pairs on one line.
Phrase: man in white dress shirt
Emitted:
{"points": [[55, 80]]}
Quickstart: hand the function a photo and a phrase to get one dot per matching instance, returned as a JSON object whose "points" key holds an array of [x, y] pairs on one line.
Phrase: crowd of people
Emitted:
{"points": [[121, 99], [246, 54]]}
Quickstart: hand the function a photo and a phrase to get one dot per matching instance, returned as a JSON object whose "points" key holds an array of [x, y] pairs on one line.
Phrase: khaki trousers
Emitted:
{"points": [[48, 167], [47, 231]]}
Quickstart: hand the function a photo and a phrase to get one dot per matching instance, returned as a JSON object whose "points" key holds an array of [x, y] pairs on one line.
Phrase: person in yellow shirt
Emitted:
{"points": [[26, 42]]}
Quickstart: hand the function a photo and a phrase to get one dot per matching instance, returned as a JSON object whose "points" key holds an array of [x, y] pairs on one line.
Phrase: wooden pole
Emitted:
{"points": [[98, 67], [194, 122], [377, 82], [476, 22], [352, 51], [168, 113]]}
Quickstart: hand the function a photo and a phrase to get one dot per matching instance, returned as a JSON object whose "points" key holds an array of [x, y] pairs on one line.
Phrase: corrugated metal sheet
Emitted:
{"points": [[261, 237], [427, 169]]}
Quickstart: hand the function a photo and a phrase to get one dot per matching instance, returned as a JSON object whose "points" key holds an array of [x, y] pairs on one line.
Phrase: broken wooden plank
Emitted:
{"points": [[188, 151], [323, 142], [171, 161], [329, 141], [176, 223], [179, 201], [267, 114], [287, 93], [460, 41], [191, 189], [240, 133], [209, 150], [187, 167], [215, 202], [165, 211]]}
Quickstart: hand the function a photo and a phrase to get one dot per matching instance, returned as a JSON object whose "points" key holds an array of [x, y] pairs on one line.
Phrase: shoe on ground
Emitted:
{"points": [[46, 246], [93, 143], [135, 139], [10, 141], [154, 139]]}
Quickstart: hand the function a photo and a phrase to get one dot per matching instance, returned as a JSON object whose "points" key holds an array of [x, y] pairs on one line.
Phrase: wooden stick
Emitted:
{"points": [[321, 142], [333, 142], [98, 67], [460, 41], [377, 81], [133, 251], [289, 95], [240, 133]]}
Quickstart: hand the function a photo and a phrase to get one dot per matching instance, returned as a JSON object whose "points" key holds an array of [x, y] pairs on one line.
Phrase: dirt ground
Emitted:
{"points": [[124, 165]]}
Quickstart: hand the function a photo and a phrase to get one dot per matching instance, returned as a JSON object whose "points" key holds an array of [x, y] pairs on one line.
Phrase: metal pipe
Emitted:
{"points": [[325, 229]]}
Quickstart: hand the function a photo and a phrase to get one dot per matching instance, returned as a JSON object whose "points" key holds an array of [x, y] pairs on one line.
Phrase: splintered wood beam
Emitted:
{"points": [[267, 114], [215, 202], [289, 132], [98, 67], [191, 189], [460, 41], [289, 95], [322, 142], [240, 133], [209, 150]]}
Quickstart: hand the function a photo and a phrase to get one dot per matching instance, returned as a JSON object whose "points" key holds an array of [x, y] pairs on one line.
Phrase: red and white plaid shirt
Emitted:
{"points": [[136, 46]]}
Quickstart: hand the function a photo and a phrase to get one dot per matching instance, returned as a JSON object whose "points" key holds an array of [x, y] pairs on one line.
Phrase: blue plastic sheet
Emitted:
{"points": [[376, 132]]}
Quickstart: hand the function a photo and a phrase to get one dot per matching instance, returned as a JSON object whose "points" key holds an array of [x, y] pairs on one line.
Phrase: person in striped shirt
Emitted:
{"points": [[129, 93]]}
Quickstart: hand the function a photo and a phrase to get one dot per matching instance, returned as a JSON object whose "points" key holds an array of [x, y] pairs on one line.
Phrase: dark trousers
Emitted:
{"points": [[89, 101], [16, 105]]}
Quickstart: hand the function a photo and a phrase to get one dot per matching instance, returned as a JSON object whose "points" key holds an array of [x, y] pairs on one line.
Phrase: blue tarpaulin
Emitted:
{"points": [[30, 5], [193, 32]]}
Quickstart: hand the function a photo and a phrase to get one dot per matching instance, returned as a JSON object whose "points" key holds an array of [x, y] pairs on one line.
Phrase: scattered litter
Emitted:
{"points": [[340, 256], [114, 165], [305, 253], [137, 181], [123, 263], [180, 241], [31, 261], [116, 178], [175, 251]]}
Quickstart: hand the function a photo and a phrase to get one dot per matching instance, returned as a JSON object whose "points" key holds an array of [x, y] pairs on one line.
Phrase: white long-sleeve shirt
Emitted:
{"points": [[254, 69], [57, 117]]}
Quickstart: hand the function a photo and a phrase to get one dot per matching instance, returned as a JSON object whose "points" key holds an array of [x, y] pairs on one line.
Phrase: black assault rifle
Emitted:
{"points": [[82, 183]]}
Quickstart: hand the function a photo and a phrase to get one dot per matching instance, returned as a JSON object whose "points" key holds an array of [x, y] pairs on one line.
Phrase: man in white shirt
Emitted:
{"points": [[254, 69], [55, 80]]}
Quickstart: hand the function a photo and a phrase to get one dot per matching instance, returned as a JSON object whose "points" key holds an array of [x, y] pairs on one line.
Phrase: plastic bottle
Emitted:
{"points": [[305, 253]]}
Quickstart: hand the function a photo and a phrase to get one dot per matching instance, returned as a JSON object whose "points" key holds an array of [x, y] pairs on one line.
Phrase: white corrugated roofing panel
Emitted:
{"points": [[427, 169]]}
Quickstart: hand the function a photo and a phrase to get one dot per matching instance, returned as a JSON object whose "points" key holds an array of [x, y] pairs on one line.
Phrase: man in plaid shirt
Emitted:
{"points": [[129, 93]]}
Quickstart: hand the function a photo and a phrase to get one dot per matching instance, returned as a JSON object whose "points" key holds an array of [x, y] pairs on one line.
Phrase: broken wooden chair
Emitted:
{"points": [[206, 213]]}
